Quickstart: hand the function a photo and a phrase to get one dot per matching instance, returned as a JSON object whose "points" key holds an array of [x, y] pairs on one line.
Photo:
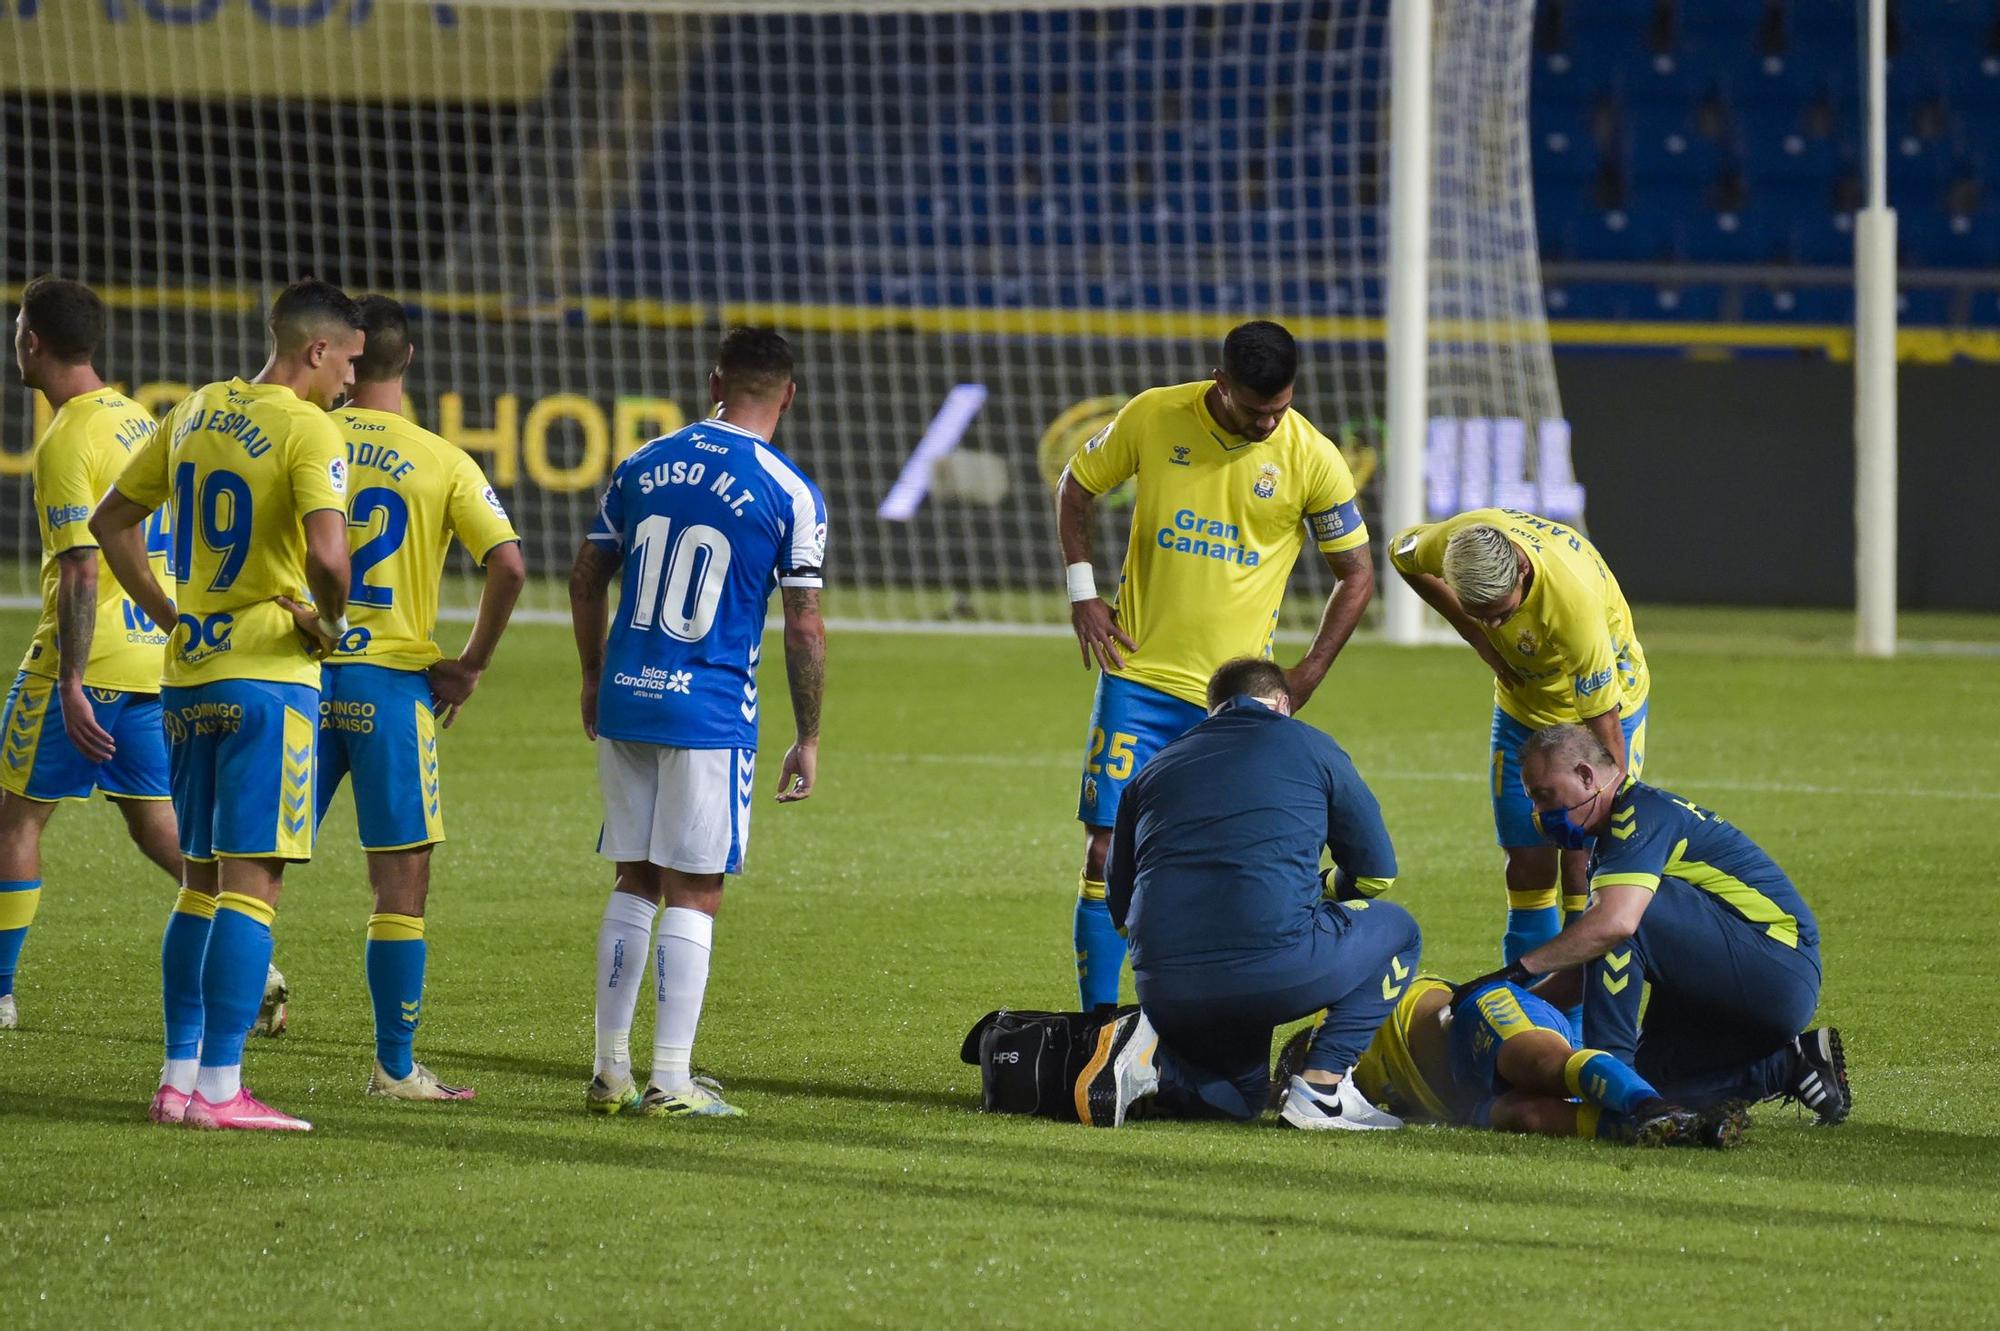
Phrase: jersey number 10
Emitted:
{"points": [[695, 569]]}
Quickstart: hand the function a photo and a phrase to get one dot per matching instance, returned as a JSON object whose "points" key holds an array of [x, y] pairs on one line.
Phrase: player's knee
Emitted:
{"points": [[1533, 1061], [21, 816], [1531, 868], [1096, 850], [401, 880]]}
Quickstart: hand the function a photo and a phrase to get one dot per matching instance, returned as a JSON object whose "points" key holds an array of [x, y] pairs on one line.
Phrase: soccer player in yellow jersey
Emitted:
{"points": [[1229, 480], [1537, 602], [84, 713], [257, 475], [386, 689]]}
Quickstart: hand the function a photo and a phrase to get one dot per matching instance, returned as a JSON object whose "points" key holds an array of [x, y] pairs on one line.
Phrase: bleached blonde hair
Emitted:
{"points": [[1479, 565]]}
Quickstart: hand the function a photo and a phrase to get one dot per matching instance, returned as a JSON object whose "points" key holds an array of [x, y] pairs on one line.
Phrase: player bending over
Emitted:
{"points": [[1494, 1055], [705, 523], [257, 474], [386, 690], [1539, 605], [1229, 478], [84, 712], [1690, 915]]}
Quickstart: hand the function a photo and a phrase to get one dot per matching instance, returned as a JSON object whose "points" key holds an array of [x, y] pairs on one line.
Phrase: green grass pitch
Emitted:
{"points": [[931, 879]]}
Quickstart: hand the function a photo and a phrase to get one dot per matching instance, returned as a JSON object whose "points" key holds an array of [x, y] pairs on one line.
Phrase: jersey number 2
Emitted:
{"points": [[695, 569], [395, 527]]}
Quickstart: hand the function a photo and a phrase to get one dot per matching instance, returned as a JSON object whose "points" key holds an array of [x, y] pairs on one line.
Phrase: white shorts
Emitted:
{"points": [[685, 809]]}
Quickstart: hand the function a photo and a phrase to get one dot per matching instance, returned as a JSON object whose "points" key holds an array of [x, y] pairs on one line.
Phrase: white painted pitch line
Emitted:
{"points": [[1058, 761]]}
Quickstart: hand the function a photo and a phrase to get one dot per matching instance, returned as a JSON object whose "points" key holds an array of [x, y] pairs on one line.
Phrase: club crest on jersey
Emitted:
{"points": [[1527, 642], [336, 473], [1180, 458], [1267, 481], [1090, 790]]}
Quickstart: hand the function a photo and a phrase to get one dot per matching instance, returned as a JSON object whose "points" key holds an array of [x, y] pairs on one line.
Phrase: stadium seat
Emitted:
{"points": [[1924, 307], [1798, 304]]}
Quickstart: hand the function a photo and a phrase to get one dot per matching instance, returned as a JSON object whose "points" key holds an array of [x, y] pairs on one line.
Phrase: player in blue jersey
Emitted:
{"points": [[1690, 914], [705, 523]]}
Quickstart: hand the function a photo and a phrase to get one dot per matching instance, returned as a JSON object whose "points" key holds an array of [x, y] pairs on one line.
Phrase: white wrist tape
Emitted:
{"points": [[1082, 582], [335, 628]]}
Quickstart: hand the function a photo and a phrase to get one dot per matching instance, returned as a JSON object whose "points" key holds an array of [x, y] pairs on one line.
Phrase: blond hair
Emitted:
{"points": [[1566, 743], [1479, 566]]}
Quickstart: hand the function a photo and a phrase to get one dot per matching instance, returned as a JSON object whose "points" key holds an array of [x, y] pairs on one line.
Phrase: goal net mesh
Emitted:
{"points": [[982, 225]]}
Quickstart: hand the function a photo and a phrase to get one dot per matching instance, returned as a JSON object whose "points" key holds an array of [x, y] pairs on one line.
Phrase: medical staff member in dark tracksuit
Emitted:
{"points": [[1688, 909], [1214, 876]]}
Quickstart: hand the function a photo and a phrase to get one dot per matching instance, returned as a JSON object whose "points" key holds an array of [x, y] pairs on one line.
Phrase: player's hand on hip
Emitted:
{"points": [[1302, 681], [1098, 634], [590, 706], [452, 682], [91, 740], [312, 629], [800, 770]]}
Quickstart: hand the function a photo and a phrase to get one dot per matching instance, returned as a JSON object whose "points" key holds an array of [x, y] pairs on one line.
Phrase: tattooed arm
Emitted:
{"points": [[805, 669]]}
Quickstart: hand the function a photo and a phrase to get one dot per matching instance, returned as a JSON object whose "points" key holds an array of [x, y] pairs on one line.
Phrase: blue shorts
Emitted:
{"points": [[241, 751], [1484, 1020], [1513, 811], [38, 761], [1129, 723], [376, 722]]}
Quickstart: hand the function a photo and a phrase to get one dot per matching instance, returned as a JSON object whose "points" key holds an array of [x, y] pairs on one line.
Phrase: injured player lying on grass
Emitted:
{"points": [[1492, 1056], [1498, 1056]]}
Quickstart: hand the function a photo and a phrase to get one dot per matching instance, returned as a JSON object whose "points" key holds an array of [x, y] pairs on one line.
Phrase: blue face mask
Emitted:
{"points": [[1556, 825]]}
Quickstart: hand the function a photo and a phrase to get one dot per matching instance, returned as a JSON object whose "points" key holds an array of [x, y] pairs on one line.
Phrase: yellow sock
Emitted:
{"points": [[1538, 898], [199, 904], [261, 911], [391, 928]]}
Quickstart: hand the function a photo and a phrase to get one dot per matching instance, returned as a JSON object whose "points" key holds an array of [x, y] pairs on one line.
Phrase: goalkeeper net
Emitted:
{"points": [[983, 225]]}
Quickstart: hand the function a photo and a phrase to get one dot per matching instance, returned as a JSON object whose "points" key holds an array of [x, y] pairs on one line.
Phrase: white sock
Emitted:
{"points": [[680, 978], [621, 967], [216, 1085], [179, 1073]]}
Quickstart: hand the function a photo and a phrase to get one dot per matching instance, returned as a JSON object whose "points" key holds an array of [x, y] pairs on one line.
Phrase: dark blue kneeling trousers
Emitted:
{"points": [[1215, 1021], [1727, 998]]}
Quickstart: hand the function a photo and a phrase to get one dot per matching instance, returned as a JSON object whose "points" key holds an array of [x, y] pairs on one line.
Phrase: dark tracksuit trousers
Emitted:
{"points": [[1215, 1021], [1726, 1001]]}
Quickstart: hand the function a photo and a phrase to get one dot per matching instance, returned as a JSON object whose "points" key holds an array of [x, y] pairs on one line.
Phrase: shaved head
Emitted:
{"points": [[309, 311]]}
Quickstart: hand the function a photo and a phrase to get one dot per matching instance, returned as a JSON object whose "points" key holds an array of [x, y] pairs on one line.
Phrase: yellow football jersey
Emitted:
{"points": [[1217, 523], [412, 492], [1571, 640], [86, 446], [243, 463]]}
